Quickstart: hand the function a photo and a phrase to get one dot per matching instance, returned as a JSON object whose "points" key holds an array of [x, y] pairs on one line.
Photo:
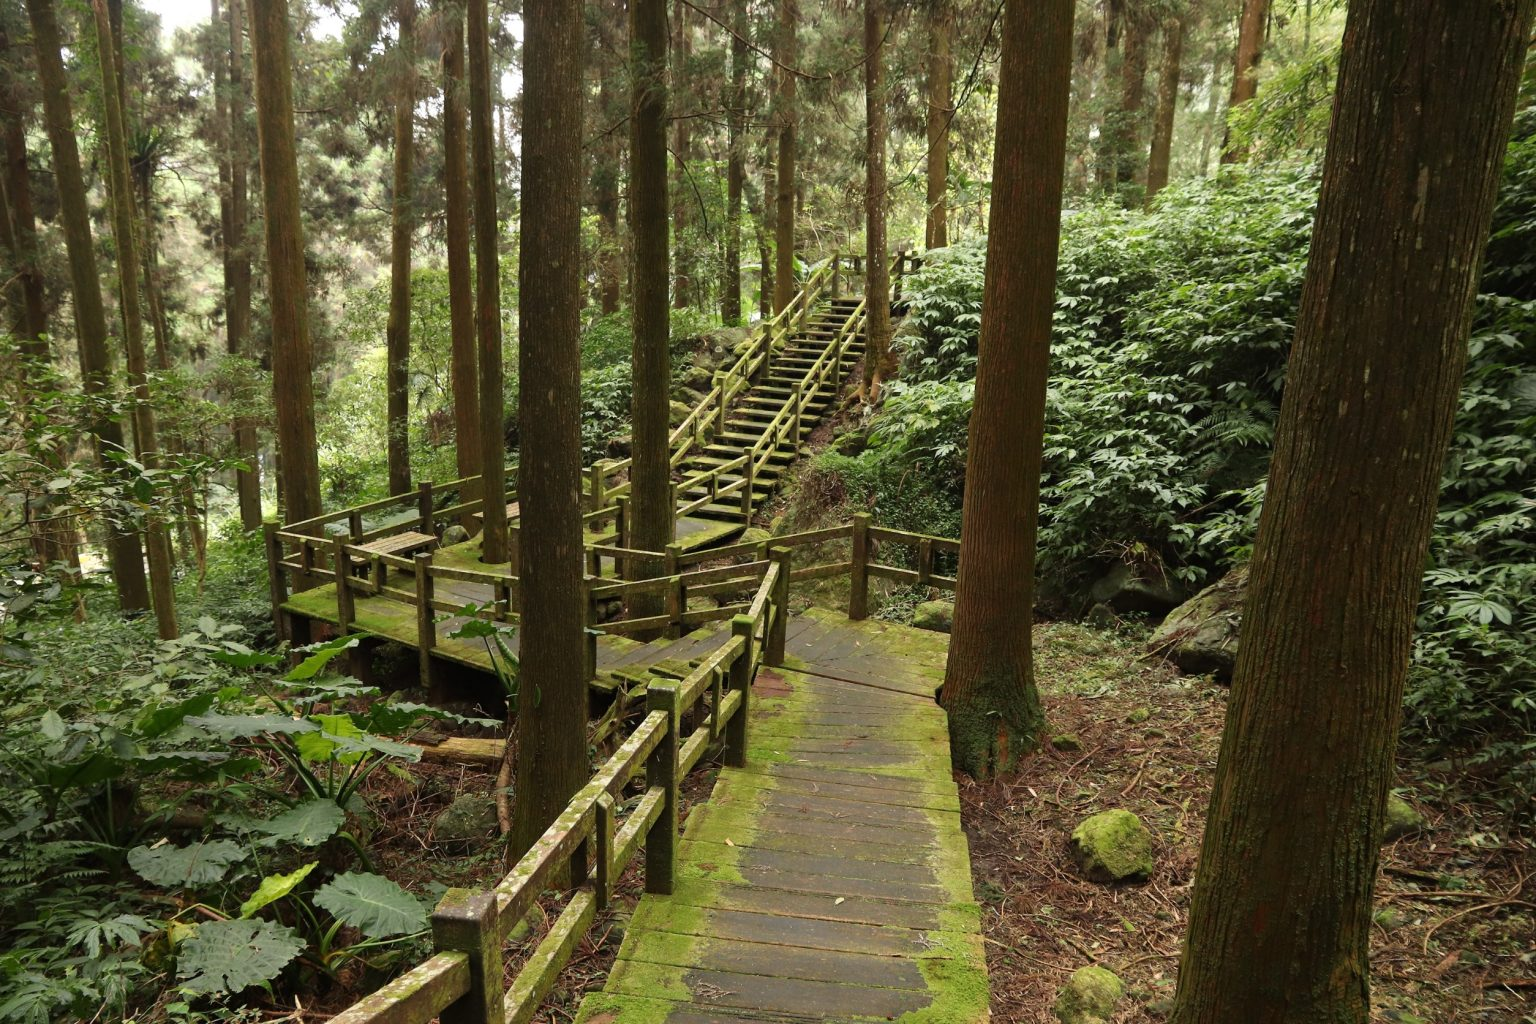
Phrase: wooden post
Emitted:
{"points": [[621, 526], [836, 276], [465, 922], [355, 525], [598, 492], [277, 585], [721, 381], [339, 561], [736, 730], [514, 548], [603, 882], [924, 561], [426, 620], [424, 506], [774, 654], [677, 591], [661, 770], [746, 492], [858, 577]]}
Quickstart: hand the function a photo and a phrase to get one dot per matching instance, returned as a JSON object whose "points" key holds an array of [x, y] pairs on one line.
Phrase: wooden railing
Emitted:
{"points": [[587, 848]]}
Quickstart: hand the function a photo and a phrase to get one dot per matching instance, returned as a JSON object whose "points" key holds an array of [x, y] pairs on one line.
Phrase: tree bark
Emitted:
{"points": [[989, 683], [767, 228], [402, 227], [287, 282], [237, 316], [1245, 82], [124, 554], [465, 370], [1281, 914], [31, 325], [940, 111], [493, 442], [877, 283], [735, 169], [787, 118], [552, 697], [1167, 102], [1133, 93], [124, 212], [651, 507], [682, 145], [605, 186]]}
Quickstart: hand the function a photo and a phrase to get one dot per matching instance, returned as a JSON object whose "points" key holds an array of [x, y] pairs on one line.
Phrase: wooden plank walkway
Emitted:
{"points": [[829, 879]]}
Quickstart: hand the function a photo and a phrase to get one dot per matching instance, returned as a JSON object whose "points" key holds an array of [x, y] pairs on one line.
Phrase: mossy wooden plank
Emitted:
{"points": [[866, 794], [812, 863], [693, 895], [614, 1008], [917, 821], [777, 960], [785, 929], [818, 999]]}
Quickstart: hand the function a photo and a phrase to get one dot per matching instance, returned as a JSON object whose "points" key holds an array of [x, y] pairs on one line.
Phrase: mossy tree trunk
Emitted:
{"points": [[877, 283], [682, 147], [124, 214], [651, 495], [940, 111], [464, 359], [1245, 82], [397, 332], [989, 683], [552, 699], [735, 168], [125, 556], [238, 263], [1133, 94], [493, 442], [287, 281], [1281, 914], [605, 173], [786, 118], [1167, 103]]}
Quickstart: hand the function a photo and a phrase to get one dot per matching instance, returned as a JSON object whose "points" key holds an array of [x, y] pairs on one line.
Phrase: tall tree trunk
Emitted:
{"points": [[157, 537], [787, 118], [1167, 102], [735, 168], [605, 185], [552, 697], [287, 283], [1212, 118], [124, 554], [877, 284], [1133, 92], [31, 325], [767, 227], [651, 479], [989, 681], [402, 228], [1281, 915], [940, 112], [238, 264], [482, 133], [465, 369], [1245, 83], [682, 144], [1105, 162]]}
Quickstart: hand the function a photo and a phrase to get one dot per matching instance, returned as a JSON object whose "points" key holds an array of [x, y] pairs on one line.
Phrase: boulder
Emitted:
{"points": [[619, 447], [754, 535], [1124, 590], [938, 616], [455, 534], [679, 412], [1067, 743], [1089, 995], [1400, 820], [699, 378], [1113, 846], [1200, 635], [468, 821]]}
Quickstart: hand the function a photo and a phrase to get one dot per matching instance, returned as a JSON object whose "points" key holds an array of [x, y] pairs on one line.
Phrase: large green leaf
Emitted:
{"points": [[340, 738], [241, 726], [274, 888], [231, 956], [176, 867], [323, 653], [372, 904], [309, 824]]}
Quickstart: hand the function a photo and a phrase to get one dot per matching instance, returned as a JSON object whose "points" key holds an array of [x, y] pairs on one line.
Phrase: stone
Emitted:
{"points": [[1138, 716], [699, 378], [1124, 590], [1066, 742], [1103, 616], [1113, 846], [938, 616], [678, 412], [455, 534], [1401, 819], [1200, 635], [467, 822], [619, 447], [1089, 995], [754, 535]]}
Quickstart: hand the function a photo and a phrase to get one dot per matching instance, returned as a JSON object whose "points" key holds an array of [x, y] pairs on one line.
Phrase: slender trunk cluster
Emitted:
{"points": [[464, 359], [940, 111], [402, 225], [482, 131], [1280, 921]]}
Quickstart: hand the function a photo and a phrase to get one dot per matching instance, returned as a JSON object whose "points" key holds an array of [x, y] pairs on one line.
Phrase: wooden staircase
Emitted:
{"points": [[788, 376]]}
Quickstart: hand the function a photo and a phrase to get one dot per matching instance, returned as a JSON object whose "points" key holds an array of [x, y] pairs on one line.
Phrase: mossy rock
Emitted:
{"points": [[1125, 590], [455, 534], [1400, 819], [1139, 716], [754, 535], [1200, 635], [1113, 846], [468, 821], [1089, 995], [938, 616], [679, 412], [1067, 743]]}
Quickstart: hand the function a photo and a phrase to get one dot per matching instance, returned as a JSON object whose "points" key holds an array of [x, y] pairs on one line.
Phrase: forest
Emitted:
{"points": [[768, 511]]}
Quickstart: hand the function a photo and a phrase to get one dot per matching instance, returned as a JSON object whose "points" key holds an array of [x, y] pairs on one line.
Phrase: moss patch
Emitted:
{"points": [[1113, 846]]}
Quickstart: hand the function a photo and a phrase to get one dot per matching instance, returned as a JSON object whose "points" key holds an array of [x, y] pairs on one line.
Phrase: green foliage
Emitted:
{"points": [[233, 955], [373, 905]]}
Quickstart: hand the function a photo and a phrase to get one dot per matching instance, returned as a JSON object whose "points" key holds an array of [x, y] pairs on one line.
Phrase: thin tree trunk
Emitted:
{"points": [[1105, 162], [1133, 92], [877, 285], [735, 169], [1281, 916], [1213, 116], [32, 316], [461, 295], [238, 264], [493, 443], [940, 111], [402, 228], [787, 117], [287, 283], [552, 697], [124, 555], [989, 680], [605, 181], [767, 228], [1167, 101], [651, 480], [682, 144], [157, 537], [1245, 83]]}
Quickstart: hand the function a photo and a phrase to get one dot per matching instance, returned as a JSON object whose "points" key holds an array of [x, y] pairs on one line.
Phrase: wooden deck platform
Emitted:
{"points": [[829, 879]]}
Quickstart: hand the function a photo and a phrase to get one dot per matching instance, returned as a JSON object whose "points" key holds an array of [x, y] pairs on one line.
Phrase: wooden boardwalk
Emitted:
{"points": [[829, 879]]}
